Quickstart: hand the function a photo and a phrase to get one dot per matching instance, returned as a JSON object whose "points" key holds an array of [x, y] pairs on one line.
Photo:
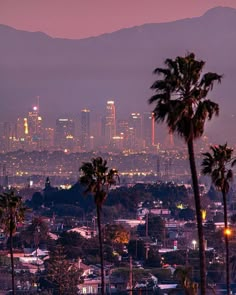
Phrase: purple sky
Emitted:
{"points": [[84, 18]]}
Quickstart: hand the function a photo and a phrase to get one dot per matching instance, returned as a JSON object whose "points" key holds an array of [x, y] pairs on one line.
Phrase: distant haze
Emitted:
{"points": [[78, 19], [69, 75]]}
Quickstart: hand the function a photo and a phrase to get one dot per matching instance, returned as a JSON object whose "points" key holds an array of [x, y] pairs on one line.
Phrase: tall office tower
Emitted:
{"points": [[122, 126], [135, 122], [85, 130], [8, 137], [48, 138], [35, 128], [123, 131], [131, 140], [65, 134], [110, 121], [148, 129], [22, 132]]}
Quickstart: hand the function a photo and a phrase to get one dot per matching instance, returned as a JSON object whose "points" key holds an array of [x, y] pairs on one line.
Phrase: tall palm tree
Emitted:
{"points": [[181, 102], [217, 164], [233, 268], [12, 212], [98, 179]]}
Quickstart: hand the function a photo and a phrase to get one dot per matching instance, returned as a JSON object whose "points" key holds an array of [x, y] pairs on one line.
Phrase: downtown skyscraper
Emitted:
{"points": [[110, 122], [35, 129], [65, 134], [85, 130]]}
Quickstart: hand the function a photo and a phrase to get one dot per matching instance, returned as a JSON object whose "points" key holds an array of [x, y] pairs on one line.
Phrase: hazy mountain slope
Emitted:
{"points": [[71, 74]]}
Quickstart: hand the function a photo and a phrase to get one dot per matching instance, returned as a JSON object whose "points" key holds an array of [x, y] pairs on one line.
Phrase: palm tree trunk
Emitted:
{"points": [[12, 263], [201, 241], [101, 249], [226, 242]]}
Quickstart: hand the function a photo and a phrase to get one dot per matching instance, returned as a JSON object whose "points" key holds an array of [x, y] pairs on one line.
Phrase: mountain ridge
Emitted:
{"points": [[71, 74]]}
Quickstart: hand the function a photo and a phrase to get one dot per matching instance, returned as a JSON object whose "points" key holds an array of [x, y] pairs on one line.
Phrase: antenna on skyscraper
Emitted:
{"points": [[5, 176], [38, 102]]}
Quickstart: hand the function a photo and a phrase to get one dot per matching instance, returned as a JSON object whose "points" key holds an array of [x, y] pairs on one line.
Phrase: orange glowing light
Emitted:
{"points": [[227, 231]]}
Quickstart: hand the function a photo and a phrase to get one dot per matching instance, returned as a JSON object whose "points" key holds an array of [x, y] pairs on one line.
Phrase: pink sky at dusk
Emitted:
{"points": [[84, 18]]}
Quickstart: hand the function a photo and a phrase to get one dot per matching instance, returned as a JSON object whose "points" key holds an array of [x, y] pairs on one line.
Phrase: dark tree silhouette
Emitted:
{"points": [[217, 164], [96, 177], [181, 101], [62, 275], [12, 212]]}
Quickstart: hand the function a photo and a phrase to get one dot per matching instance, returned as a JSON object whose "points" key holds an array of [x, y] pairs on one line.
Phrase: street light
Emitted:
{"points": [[36, 242], [194, 242], [227, 231]]}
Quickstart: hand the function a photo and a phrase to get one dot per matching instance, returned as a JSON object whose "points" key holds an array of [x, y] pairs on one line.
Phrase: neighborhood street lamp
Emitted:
{"points": [[227, 231], [194, 242]]}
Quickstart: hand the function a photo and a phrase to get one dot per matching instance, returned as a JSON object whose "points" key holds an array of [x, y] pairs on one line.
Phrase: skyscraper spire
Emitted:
{"points": [[110, 121], [38, 97]]}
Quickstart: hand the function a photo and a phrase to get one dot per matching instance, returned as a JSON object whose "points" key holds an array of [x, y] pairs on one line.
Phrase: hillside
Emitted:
{"points": [[69, 75]]}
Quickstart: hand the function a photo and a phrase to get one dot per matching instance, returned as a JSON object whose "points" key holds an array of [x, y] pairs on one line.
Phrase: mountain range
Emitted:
{"points": [[70, 75]]}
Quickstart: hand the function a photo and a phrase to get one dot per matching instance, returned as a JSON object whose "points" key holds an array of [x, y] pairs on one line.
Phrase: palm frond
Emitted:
{"points": [[217, 164], [181, 82], [97, 179], [207, 81]]}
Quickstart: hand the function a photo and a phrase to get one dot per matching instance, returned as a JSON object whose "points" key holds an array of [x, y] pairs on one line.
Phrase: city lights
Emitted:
{"points": [[194, 242], [227, 231]]}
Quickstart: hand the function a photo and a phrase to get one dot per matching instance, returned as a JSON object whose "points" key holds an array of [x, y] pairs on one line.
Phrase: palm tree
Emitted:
{"points": [[98, 179], [233, 268], [217, 164], [12, 212], [181, 101]]}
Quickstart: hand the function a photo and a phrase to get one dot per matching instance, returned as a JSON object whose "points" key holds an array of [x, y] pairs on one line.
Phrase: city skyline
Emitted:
{"points": [[77, 134], [72, 75], [122, 118]]}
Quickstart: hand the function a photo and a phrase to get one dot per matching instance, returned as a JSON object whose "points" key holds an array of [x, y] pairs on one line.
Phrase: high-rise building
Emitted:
{"points": [[65, 134], [148, 129], [35, 128], [8, 136], [22, 133], [48, 138], [110, 121], [123, 132], [85, 130], [135, 122], [131, 140]]}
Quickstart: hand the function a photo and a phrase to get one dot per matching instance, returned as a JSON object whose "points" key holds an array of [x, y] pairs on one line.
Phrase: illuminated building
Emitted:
{"points": [[8, 137], [35, 129], [22, 128], [131, 140], [110, 121], [148, 129], [22, 132], [135, 122], [123, 131], [85, 130], [48, 138], [65, 134], [118, 143]]}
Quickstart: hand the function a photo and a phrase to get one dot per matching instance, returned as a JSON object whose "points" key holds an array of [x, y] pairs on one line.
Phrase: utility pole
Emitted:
{"points": [[147, 225], [146, 250], [186, 257], [130, 276], [164, 236]]}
